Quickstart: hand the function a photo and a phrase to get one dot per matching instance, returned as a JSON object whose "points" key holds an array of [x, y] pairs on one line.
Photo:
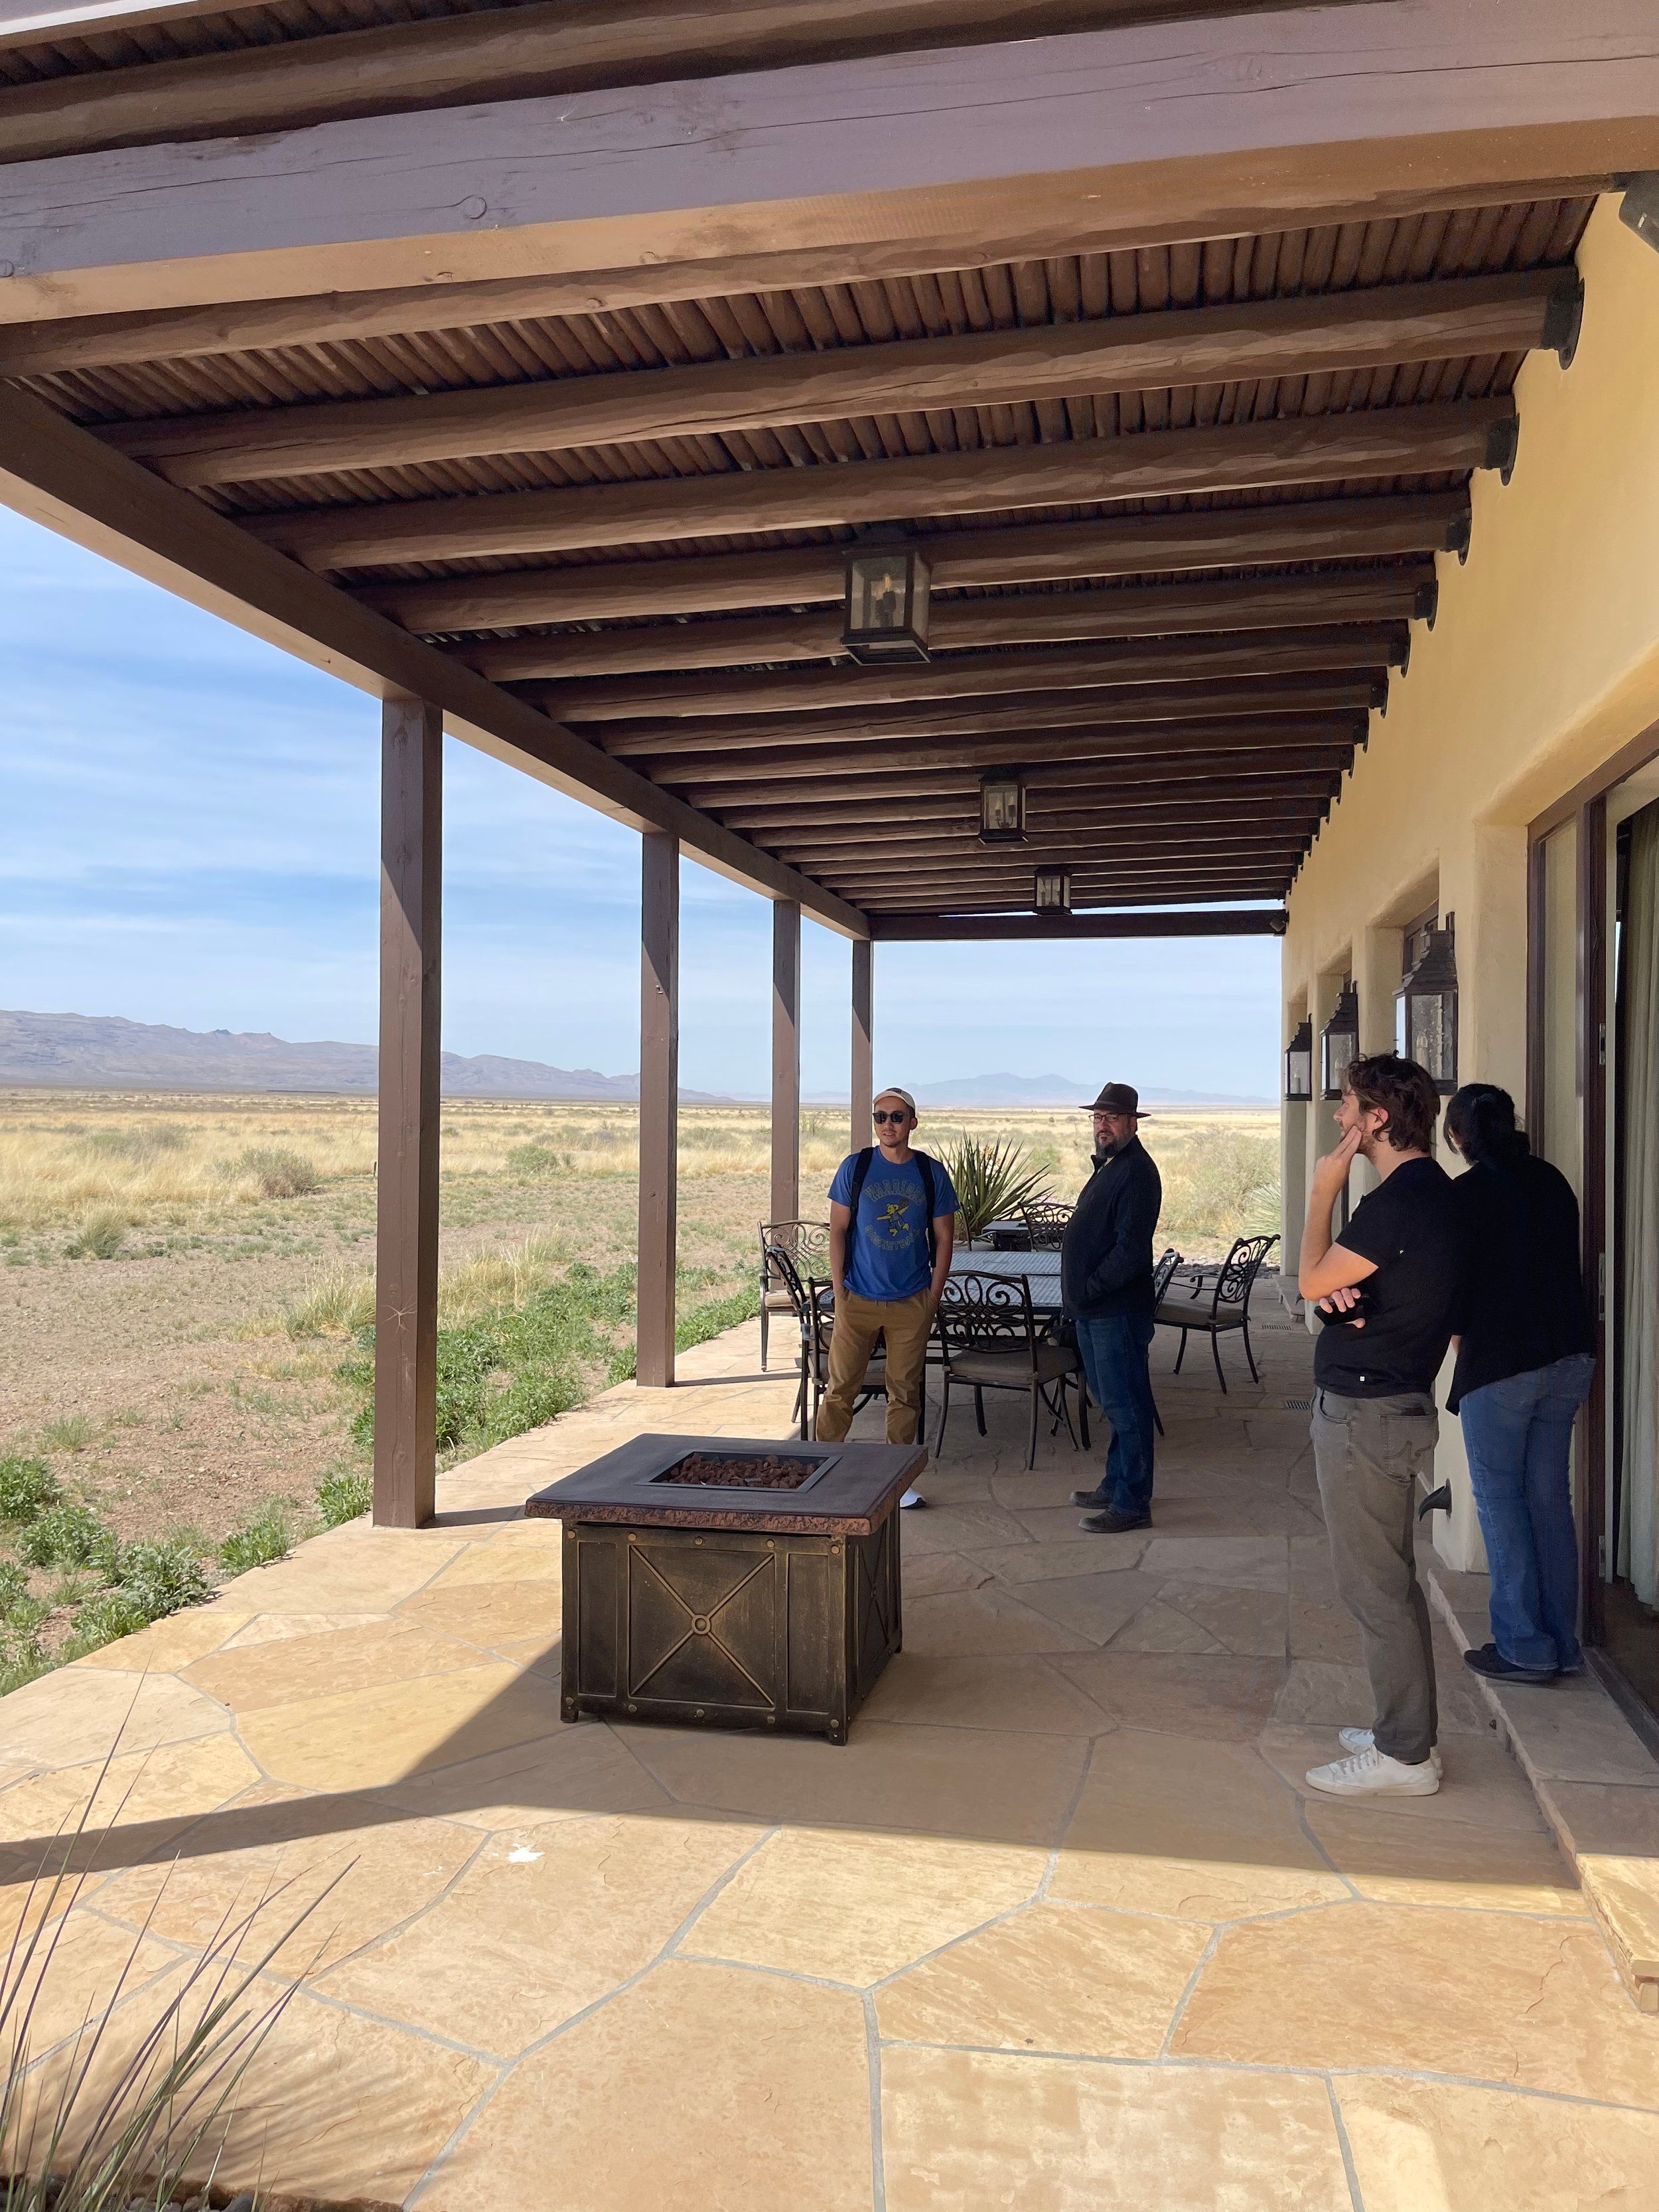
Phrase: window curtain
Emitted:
{"points": [[1638, 1505]]}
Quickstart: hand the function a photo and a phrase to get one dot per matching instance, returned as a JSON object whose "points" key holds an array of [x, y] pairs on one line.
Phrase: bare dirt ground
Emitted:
{"points": [[180, 1379]]}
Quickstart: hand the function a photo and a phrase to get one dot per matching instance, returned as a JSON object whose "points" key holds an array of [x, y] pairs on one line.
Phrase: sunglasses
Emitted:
{"points": [[898, 1114]]}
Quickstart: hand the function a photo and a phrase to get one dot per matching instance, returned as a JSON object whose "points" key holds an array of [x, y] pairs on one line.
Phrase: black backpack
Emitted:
{"points": [[928, 1190]]}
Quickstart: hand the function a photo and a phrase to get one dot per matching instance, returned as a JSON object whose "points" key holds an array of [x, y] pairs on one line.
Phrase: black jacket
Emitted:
{"points": [[1106, 1261], [1524, 1303]]}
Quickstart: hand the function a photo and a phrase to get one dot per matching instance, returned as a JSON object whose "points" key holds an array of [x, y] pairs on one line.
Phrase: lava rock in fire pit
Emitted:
{"points": [[743, 1474]]}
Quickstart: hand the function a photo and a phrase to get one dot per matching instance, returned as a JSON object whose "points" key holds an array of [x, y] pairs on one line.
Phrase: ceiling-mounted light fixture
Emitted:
{"points": [[1001, 810], [1051, 893], [887, 590]]}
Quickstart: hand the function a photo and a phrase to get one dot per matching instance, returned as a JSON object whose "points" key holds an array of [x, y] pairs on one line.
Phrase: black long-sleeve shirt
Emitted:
{"points": [[1524, 1303], [1106, 1260]]}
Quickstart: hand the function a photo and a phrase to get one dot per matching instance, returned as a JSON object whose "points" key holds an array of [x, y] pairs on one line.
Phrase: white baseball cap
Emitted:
{"points": [[892, 1090]]}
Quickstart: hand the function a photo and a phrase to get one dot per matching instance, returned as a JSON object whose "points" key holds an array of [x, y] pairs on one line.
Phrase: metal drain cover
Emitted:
{"points": [[1296, 1405]]}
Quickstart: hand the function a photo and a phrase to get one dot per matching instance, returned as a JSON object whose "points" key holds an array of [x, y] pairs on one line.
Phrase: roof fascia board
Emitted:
{"points": [[1207, 128]]}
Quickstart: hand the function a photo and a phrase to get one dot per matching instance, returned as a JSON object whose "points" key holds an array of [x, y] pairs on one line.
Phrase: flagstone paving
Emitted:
{"points": [[1060, 1927]]}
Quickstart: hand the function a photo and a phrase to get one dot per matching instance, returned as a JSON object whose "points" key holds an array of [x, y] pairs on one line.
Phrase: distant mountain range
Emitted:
{"points": [[1057, 1090], [104, 1052], [96, 1052]]}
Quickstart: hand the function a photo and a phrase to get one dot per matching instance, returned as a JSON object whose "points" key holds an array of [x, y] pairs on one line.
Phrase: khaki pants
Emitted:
{"points": [[905, 1322], [1368, 1454]]}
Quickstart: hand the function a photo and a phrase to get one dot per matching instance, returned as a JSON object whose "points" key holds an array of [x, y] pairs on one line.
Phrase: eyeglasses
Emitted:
{"points": [[898, 1114]]}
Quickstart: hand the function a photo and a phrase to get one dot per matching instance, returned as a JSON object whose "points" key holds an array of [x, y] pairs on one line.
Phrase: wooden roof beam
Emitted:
{"points": [[1036, 552], [1237, 340], [1145, 723], [1111, 139], [1057, 810], [1173, 841], [982, 929], [1383, 442], [784, 802], [1338, 647], [1395, 594]]}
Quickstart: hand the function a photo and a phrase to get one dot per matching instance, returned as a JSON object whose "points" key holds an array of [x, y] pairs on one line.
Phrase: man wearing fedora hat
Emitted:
{"points": [[1106, 1285]]}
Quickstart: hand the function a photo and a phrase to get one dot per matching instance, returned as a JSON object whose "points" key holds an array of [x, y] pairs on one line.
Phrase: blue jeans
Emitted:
{"points": [[1114, 1349], [1518, 1436]]}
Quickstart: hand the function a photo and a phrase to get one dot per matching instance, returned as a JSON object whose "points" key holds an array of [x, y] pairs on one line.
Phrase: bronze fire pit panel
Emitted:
{"points": [[713, 1607]]}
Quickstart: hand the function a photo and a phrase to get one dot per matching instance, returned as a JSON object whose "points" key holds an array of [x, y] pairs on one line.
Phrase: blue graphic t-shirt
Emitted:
{"points": [[887, 1245]]}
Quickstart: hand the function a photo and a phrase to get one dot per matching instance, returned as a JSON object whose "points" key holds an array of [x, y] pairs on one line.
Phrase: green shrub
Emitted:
{"points": [[342, 1494], [20, 1614], [992, 1180], [71, 1534], [23, 1655], [27, 1487], [73, 1433], [162, 1577], [103, 1619], [99, 1236], [538, 1159], [268, 1535], [280, 1172]]}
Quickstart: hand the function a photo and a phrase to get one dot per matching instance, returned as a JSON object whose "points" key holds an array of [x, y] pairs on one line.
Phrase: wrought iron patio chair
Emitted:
{"points": [[1162, 1276], [1228, 1306], [1046, 1224], [988, 1340], [807, 1243]]}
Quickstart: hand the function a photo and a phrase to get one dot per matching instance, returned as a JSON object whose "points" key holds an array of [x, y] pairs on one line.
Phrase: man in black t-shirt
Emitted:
{"points": [[1387, 1289]]}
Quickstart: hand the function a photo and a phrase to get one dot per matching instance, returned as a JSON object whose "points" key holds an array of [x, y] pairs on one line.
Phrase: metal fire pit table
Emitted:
{"points": [[720, 1604]]}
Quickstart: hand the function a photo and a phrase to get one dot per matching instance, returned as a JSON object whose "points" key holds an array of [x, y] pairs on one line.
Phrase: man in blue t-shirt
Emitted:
{"points": [[887, 1266]]}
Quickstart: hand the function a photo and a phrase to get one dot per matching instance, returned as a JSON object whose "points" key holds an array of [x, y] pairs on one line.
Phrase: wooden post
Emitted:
{"points": [[786, 1060], [406, 1251], [659, 1094], [864, 1070]]}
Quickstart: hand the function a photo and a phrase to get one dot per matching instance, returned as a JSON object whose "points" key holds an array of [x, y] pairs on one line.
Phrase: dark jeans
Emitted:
{"points": [[1114, 1349], [1368, 1454], [1518, 1435]]}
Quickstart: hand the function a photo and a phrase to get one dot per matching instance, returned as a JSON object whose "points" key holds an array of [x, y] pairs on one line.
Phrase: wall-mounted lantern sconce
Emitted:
{"points": [[1002, 810], [1340, 1042], [1052, 891], [1428, 998], [1298, 1065], [886, 615]]}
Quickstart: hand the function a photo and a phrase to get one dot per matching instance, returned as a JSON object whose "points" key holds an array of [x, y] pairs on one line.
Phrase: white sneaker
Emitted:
{"points": [[1362, 1740], [1373, 1774]]}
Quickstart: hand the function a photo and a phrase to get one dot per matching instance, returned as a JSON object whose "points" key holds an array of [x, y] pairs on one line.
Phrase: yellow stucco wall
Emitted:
{"points": [[1543, 662]]}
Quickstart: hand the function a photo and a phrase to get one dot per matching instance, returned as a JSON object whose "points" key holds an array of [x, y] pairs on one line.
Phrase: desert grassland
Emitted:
{"points": [[184, 1272]]}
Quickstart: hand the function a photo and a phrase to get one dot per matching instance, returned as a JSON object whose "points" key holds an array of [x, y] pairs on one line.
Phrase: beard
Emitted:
{"points": [[1108, 1148]]}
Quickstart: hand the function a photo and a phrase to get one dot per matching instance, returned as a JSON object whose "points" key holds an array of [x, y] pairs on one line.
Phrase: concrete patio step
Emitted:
{"points": [[1596, 1782]]}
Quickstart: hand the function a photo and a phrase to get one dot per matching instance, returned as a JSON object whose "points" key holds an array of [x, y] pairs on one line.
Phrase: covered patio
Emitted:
{"points": [[1058, 1926]]}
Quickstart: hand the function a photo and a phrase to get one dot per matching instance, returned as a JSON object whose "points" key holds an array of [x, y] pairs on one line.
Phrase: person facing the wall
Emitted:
{"points": [[1388, 1291], [1106, 1289], [1526, 1358], [892, 1228]]}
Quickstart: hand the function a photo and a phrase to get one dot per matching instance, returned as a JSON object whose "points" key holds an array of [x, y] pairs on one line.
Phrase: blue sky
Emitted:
{"points": [[191, 838]]}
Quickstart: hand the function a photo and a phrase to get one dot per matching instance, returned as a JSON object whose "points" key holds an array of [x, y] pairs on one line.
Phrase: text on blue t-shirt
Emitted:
{"points": [[887, 1245]]}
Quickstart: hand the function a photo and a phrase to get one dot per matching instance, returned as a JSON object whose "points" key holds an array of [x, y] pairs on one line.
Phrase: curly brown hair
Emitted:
{"points": [[1406, 1090]]}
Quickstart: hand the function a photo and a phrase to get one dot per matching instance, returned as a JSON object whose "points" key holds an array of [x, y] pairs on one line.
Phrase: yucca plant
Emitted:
{"points": [[992, 1181], [86, 2126]]}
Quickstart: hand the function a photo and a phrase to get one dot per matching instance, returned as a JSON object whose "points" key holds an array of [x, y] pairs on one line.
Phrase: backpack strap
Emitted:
{"points": [[929, 1190]]}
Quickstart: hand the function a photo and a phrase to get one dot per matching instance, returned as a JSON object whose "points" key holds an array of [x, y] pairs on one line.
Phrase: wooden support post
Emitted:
{"points": [[406, 1252], [786, 1060], [864, 1053], [659, 1100]]}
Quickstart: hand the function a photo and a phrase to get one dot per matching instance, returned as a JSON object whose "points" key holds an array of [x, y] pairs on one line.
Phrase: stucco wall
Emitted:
{"points": [[1543, 662]]}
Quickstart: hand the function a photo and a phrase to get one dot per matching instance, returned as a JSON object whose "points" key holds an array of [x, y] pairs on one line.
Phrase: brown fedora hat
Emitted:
{"points": [[1119, 1098]]}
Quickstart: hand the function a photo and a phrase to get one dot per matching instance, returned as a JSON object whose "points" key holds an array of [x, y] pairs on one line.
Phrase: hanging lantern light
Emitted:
{"points": [[1002, 810], [1052, 892], [1339, 1040], [1298, 1065], [886, 615], [1429, 1003]]}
